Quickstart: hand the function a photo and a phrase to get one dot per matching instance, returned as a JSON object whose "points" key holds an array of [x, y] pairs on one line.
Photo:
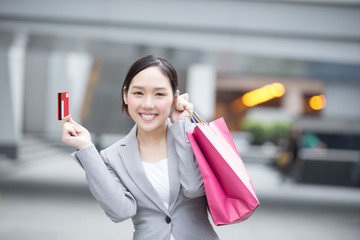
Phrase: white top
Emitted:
{"points": [[158, 175]]}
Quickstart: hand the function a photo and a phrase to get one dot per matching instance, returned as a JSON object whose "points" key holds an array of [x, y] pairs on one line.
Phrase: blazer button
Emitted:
{"points": [[167, 219]]}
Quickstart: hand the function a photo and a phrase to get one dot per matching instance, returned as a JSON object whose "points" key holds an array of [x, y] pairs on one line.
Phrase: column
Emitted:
{"points": [[201, 86], [293, 100], [12, 59], [342, 101], [67, 72]]}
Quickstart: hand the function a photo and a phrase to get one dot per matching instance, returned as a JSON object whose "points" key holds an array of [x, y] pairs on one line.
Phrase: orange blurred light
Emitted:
{"points": [[263, 94], [237, 106], [317, 102]]}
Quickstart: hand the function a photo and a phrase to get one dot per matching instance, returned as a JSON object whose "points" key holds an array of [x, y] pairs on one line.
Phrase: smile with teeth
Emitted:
{"points": [[148, 116]]}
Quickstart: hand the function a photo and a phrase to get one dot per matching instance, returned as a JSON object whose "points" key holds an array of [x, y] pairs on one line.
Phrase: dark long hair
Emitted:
{"points": [[146, 62]]}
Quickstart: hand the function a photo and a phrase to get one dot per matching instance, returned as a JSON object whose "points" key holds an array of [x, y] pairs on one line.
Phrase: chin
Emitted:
{"points": [[153, 125]]}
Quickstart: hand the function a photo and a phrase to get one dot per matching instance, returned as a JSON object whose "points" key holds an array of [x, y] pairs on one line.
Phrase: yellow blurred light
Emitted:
{"points": [[263, 94], [277, 89], [317, 102]]}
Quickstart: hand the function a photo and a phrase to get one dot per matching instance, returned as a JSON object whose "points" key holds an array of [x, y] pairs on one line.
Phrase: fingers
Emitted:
{"points": [[188, 107], [73, 122], [182, 102], [68, 119], [185, 96], [65, 119], [69, 129], [181, 105], [74, 134]]}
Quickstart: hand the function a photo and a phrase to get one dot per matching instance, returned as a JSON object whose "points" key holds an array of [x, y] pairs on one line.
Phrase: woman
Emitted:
{"points": [[151, 175]]}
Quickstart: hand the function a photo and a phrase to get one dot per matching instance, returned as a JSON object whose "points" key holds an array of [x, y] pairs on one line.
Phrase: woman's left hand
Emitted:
{"points": [[181, 103]]}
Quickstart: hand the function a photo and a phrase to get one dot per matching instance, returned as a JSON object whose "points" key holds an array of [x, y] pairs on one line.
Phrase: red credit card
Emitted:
{"points": [[63, 105]]}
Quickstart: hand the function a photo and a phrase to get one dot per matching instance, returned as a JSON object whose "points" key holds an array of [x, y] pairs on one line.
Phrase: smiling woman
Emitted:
{"points": [[151, 175], [149, 100], [162, 65]]}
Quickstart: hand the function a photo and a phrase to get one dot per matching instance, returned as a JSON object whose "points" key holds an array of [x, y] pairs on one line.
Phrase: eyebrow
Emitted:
{"points": [[156, 89]]}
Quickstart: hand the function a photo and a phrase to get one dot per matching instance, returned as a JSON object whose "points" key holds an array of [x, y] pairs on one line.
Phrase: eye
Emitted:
{"points": [[160, 94], [138, 93]]}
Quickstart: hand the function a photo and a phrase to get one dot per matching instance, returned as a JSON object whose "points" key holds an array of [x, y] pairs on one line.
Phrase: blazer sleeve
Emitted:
{"points": [[117, 202], [190, 175]]}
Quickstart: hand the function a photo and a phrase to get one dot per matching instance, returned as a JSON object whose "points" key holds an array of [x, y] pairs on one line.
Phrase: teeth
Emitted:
{"points": [[147, 116]]}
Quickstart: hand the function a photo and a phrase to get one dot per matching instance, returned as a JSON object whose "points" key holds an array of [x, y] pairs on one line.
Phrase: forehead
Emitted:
{"points": [[151, 77]]}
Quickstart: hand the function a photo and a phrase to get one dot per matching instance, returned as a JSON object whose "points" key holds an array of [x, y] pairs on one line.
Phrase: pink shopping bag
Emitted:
{"points": [[230, 194]]}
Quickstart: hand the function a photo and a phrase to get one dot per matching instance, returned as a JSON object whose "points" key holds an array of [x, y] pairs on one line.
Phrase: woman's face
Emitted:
{"points": [[149, 99]]}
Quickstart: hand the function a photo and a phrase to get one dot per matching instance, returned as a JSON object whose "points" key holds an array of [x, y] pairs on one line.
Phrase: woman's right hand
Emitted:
{"points": [[74, 134]]}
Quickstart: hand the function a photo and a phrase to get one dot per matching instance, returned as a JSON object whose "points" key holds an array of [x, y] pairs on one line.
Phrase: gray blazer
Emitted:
{"points": [[118, 181]]}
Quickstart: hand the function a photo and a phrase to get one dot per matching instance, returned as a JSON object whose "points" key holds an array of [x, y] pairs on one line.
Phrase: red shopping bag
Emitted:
{"points": [[230, 194]]}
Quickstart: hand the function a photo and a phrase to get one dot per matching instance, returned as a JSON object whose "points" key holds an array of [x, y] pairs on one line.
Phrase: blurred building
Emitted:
{"points": [[221, 50]]}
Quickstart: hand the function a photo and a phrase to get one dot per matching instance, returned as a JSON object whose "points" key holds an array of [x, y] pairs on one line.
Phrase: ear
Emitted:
{"points": [[174, 99], [125, 96]]}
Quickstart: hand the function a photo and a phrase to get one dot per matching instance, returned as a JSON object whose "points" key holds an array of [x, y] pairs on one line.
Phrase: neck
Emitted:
{"points": [[152, 138]]}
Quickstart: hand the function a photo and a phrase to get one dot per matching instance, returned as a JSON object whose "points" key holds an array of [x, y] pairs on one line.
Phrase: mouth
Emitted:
{"points": [[148, 116]]}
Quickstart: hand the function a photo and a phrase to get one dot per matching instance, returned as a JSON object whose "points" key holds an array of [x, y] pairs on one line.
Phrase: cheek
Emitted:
{"points": [[132, 103]]}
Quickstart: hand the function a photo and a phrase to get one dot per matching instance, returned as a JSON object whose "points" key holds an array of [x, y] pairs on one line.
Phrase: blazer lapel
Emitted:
{"points": [[131, 158], [173, 168]]}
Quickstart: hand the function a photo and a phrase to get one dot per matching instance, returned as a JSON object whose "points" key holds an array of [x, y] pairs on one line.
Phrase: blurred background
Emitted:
{"points": [[284, 74]]}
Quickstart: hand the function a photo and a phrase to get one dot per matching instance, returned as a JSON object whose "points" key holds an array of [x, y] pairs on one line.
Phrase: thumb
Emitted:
{"points": [[71, 120], [65, 120], [78, 126]]}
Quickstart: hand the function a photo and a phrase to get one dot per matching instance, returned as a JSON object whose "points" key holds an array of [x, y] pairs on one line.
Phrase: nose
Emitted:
{"points": [[148, 103]]}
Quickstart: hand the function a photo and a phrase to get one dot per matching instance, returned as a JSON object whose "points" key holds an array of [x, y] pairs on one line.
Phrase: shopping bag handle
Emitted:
{"points": [[195, 117]]}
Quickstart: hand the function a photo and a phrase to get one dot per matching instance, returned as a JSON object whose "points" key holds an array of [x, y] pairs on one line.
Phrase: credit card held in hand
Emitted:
{"points": [[63, 105]]}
